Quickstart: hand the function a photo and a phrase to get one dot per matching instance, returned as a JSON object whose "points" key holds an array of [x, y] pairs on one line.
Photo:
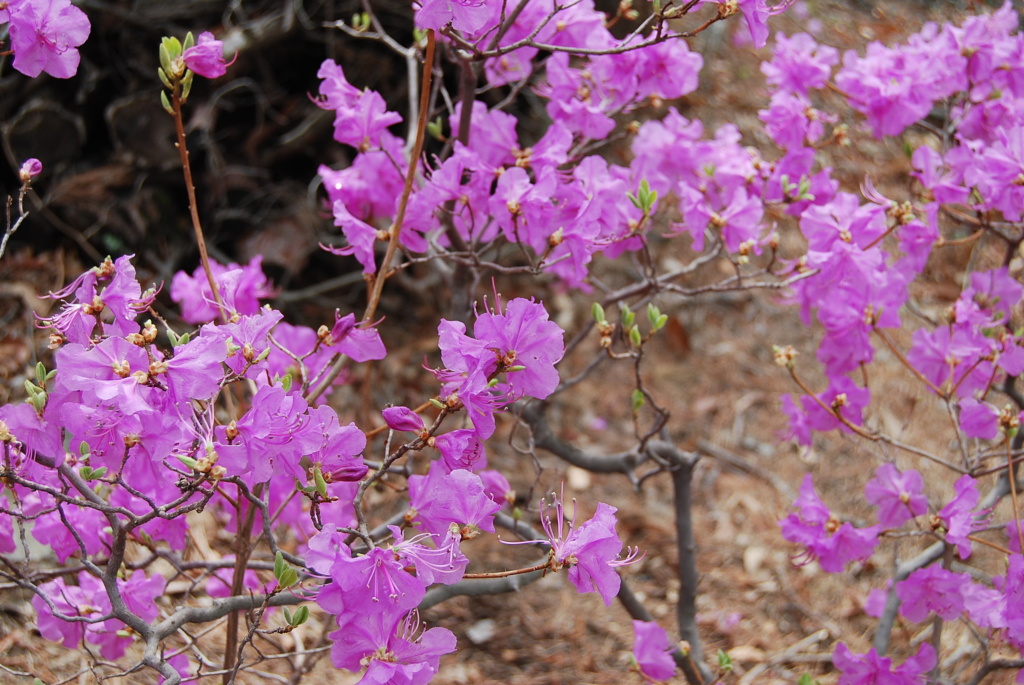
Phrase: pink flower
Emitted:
{"points": [[958, 515], [871, 669], [929, 589], [826, 539], [898, 496], [392, 649], [591, 550], [652, 651], [979, 419], [442, 498], [206, 57], [45, 35]]}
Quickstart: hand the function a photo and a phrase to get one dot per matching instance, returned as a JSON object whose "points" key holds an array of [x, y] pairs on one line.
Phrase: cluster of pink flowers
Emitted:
{"points": [[857, 282], [143, 421]]}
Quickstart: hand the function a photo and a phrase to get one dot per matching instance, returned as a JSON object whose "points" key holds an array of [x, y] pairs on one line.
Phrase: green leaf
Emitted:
{"points": [[653, 313], [636, 202], [300, 616], [318, 479], [286, 382], [638, 400], [635, 337], [188, 461], [660, 323], [40, 373], [186, 84], [166, 103], [626, 316], [189, 41], [806, 679], [435, 129], [288, 578], [597, 311], [93, 474], [724, 661], [279, 564], [165, 57]]}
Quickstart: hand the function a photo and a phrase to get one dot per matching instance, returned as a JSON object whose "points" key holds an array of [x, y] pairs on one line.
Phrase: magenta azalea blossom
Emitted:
{"points": [[45, 35], [441, 499], [898, 496], [871, 669], [832, 543], [958, 515], [929, 589], [206, 57], [652, 651], [524, 344], [392, 649], [591, 550]]}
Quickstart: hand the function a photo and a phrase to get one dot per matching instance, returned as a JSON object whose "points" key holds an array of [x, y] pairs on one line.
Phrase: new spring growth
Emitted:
{"points": [[180, 61], [172, 71]]}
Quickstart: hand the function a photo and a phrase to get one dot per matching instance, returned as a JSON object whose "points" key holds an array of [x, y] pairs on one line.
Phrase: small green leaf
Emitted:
{"points": [[288, 578], [520, 367], [92, 474], [40, 373], [166, 103], [189, 41], [806, 679], [165, 57], [626, 316], [724, 661], [300, 616], [83, 449], [638, 400], [653, 313], [636, 202], [660, 323], [635, 337], [597, 311], [188, 461], [186, 85], [287, 616], [435, 129], [318, 479], [437, 403], [286, 382], [279, 564]]}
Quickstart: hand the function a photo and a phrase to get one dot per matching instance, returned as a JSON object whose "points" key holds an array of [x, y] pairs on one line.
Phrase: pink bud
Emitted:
{"points": [[402, 419], [30, 168]]}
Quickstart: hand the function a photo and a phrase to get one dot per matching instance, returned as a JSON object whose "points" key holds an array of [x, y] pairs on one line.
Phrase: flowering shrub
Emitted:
{"points": [[140, 426]]}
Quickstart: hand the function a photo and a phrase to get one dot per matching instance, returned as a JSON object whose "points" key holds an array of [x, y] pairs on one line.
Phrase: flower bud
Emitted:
{"points": [[30, 168], [402, 419]]}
